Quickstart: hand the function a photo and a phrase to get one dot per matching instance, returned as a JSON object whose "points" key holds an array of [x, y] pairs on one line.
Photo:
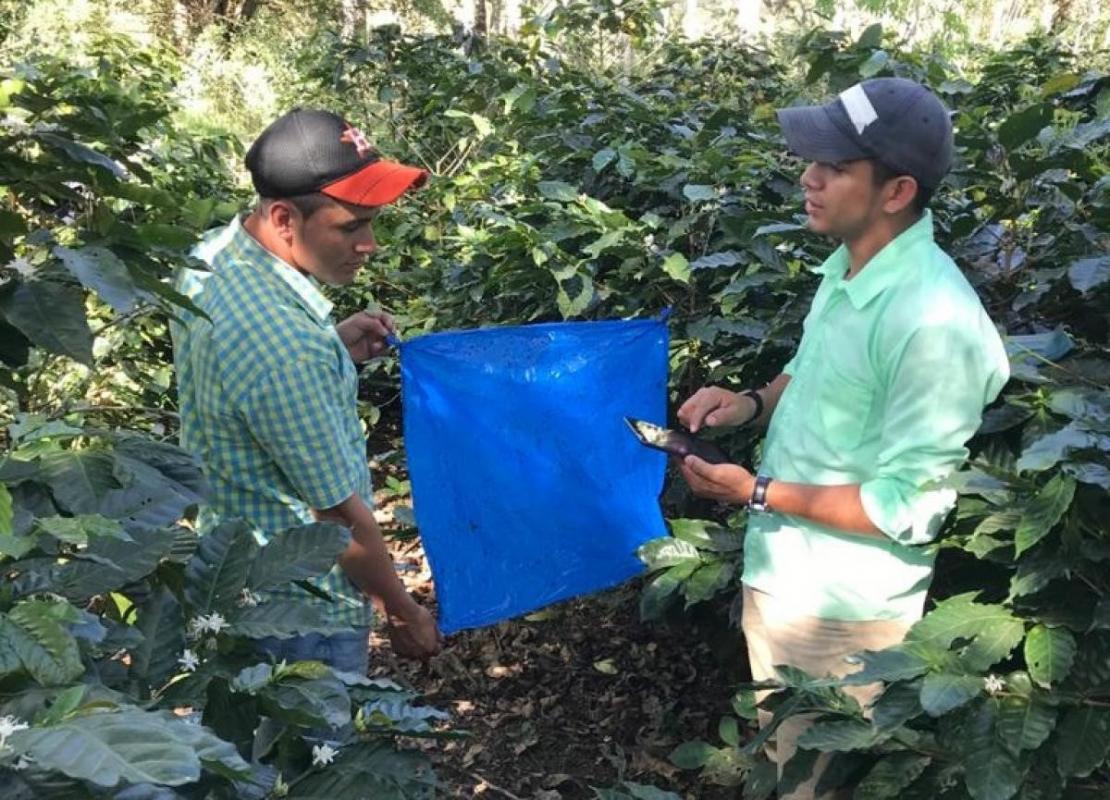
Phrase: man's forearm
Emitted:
{"points": [[771, 394], [366, 561], [837, 507]]}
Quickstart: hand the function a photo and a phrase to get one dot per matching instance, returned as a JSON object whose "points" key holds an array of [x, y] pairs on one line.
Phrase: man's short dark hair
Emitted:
{"points": [[307, 204], [881, 173]]}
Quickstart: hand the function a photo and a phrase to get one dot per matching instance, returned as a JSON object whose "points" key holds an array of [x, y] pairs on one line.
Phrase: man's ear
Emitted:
{"points": [[282, 217], [900, 193]]}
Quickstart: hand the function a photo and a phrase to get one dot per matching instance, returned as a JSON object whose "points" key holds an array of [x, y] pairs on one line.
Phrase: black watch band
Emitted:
{"points": [[758, 500], [758, 398]]}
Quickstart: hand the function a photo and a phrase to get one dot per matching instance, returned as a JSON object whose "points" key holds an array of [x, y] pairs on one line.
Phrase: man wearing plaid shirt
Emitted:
{"points": [[267, 382]]}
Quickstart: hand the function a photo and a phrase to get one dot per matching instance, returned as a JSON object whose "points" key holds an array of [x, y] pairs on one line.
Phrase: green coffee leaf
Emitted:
{"points": [[1024, 722], [51, 315], [1019, 128], [942, 692], [993, 630], [6, 514], [128, 746], [217, 573], [835, 736], [1083, 740], [677, 267], [695, 192], [558, 190], [101, 270], [667, 551], [692, 755], [298, 553], [890, 776], [1044, 511], [1049, 653]]}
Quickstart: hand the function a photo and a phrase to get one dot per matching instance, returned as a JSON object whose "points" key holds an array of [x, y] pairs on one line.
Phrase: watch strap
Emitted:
{"points": [[758, 398], [758, 500]]}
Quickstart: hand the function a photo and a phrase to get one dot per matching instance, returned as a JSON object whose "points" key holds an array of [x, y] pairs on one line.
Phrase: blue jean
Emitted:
{"points": [[346, 652]]}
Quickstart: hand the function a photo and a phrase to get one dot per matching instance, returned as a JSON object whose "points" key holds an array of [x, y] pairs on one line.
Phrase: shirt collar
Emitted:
{"points": [[885, 267], [305, 288]]}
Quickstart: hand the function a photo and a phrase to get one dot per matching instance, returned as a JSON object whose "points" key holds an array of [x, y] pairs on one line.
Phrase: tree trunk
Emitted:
{"points": [[350, 12], [481, 19], [249, 9], [1061, 16]]}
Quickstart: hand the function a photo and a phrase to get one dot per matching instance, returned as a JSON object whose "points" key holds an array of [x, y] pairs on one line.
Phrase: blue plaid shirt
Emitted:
{"points": [[267, 394]]}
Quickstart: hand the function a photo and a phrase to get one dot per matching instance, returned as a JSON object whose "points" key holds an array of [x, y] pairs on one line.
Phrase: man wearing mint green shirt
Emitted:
{"points": [[897, 361]]}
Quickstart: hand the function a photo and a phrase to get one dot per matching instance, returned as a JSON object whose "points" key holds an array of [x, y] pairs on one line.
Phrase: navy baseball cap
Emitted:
{"points": [[307, 150], [893, 120]]}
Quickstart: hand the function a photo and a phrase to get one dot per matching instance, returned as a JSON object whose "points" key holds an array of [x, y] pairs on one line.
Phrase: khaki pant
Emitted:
{"points": [[775, 635]]}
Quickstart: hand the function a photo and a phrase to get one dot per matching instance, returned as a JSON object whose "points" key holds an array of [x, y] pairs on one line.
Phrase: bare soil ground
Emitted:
{"points": [[579, 695]]}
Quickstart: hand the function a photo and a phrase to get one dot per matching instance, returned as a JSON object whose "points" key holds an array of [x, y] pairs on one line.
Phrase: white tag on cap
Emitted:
{"points": [[859, 108]]}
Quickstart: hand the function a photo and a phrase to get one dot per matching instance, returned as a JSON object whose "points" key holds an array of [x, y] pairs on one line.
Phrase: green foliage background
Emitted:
{"points": [[590, 167]]}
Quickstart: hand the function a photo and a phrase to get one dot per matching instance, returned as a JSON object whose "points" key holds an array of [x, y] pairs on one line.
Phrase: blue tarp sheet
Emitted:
{"points": [[528, 488]]}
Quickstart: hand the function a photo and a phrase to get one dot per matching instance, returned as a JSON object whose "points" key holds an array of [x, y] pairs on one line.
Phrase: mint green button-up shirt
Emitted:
{"points": [[890, 380], [267, 394]]}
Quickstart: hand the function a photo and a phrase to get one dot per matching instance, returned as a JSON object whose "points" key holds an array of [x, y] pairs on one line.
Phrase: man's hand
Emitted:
{"points": [[728, 483], [414, 634], [367, 562], [364, 334], [715, 407]]}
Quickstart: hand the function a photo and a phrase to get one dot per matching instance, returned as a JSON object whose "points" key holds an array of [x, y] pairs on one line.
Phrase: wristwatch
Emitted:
{"points": [[758, 399], [758, 501]]}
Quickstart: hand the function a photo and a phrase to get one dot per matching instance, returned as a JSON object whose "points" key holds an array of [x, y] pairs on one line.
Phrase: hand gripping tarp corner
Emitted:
{"points": [[527, 486]]}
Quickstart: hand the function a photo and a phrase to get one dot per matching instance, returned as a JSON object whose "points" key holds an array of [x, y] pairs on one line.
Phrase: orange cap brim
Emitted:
{"points": [[376, 184]]}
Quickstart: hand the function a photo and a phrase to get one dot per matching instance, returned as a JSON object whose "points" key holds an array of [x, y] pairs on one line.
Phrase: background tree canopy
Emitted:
{"points": [[591, 161]]}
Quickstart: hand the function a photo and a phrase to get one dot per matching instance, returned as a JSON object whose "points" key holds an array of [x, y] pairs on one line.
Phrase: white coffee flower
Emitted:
{"points": [[22, 266], [8, 726], [323, 754], [993, 684], [249, 599], [189, 661], [15, 125], [213, 623]]}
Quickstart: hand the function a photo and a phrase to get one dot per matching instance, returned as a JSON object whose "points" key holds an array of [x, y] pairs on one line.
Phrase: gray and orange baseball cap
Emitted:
{"points": [[308, 150], [894, 120]]}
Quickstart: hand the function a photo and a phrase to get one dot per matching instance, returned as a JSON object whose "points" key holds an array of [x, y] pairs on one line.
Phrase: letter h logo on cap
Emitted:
{"points": [[352, 135]]}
